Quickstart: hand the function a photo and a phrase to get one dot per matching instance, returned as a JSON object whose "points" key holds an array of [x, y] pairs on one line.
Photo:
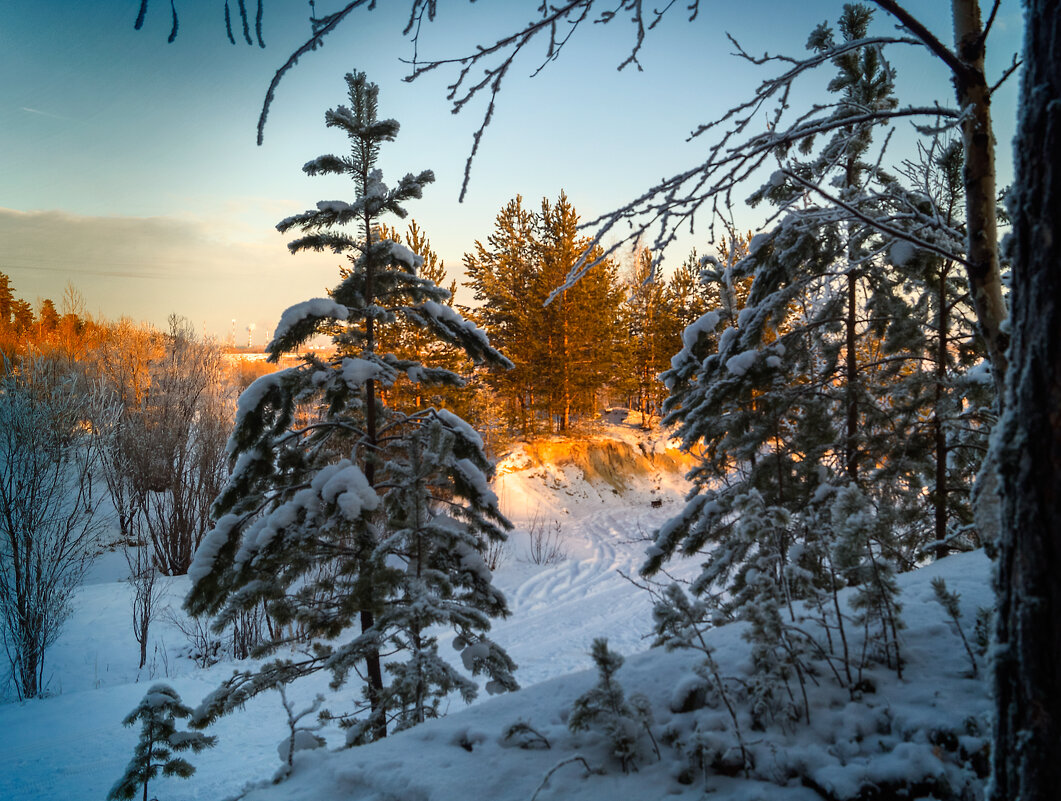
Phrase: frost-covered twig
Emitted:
{"points": [[557, 766]]}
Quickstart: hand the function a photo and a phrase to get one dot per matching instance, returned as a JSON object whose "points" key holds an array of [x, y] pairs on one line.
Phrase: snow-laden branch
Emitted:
{"points": [[876, 222]]}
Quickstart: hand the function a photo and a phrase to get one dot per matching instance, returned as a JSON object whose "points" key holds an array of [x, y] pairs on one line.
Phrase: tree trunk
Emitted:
{"points": [[372, 661], [974, 96], [985, 281], [940, 499], [1028, 662], [851, 371]]}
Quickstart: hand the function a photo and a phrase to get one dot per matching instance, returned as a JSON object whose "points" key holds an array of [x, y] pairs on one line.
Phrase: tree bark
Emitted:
{"points": [[974, 96], [940, 500], [1028, 654]]}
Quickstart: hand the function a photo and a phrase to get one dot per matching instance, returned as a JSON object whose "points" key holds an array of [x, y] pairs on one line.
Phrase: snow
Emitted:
{"points": [[251, 398], [72, 744], [740, 364], [758, 241], [461, 426], [451, 319], [357, 371], [348, 488], [401, 254], [474, 476], [203, 562], [333, 206], [320, 308], [902, 252], [704, 325]]}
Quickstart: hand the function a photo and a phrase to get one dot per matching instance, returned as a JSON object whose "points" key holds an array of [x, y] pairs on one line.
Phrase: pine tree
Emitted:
{"points": [[942, 399], [7, 298], [580, 323], [808, 477], [408, 341], [159, 743], [605, 707], [654, 335], [565, 351], [501, 273], [342, 512]]}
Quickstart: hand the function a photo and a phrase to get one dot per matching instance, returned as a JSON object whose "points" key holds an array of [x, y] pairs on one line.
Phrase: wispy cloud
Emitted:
{"points": [[44, 113], [147, 267]]}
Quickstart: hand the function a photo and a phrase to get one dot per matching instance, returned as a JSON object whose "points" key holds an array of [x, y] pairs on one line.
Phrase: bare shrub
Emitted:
{"points": [[49, 529], [250, 628], [204, 648], [495, 553], [123, 360], [546, 542], [166, 457], [143, 578]]}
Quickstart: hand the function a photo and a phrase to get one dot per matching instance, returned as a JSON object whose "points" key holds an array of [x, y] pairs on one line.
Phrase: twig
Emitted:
{"points": [[557, 766]]}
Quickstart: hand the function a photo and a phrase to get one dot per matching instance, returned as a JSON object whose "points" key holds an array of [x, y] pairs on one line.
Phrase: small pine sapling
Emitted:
{"points": [[159, 741], [680, 622], [606, 708], [949, 601]]}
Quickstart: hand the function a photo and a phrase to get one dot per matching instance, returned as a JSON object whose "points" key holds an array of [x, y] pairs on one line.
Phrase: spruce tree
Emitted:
{"points": [[341, 512]]}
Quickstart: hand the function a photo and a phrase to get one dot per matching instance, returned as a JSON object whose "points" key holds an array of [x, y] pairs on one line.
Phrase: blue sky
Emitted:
{"points": [[128, 166]]}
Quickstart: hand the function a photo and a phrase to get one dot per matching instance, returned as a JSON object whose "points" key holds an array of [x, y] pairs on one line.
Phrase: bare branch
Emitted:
{"points": [[1005, 75], [321, 28], [915, 26]]}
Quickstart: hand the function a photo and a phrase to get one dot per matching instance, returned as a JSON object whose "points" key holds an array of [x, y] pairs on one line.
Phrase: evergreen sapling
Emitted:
{"points": [[342, 512], [606, 708], [159, 743]]}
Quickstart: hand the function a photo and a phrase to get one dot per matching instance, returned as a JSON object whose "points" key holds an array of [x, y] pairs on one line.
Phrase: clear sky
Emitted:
{"points": [[128, 166]]}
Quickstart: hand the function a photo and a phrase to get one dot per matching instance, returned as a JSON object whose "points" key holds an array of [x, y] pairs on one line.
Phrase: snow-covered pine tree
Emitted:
{"points": [[565, 351], [341, 512], [159, 742], [804, 476], [606, 708], [943, 400]]}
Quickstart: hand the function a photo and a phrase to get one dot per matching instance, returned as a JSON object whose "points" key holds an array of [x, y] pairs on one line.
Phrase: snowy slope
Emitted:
{"points": [[72, 746]]}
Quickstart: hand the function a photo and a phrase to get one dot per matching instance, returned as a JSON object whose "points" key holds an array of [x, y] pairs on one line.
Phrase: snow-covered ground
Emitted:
{"points": [[72, 745]]}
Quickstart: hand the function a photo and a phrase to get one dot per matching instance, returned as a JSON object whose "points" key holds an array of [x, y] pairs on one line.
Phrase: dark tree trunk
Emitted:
{"points": [[1027, 748], [940, 497], [851, 373], [373, 663]]}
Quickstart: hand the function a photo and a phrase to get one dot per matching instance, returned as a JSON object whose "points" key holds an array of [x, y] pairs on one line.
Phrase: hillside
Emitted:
{"points": [[603, 497]]}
